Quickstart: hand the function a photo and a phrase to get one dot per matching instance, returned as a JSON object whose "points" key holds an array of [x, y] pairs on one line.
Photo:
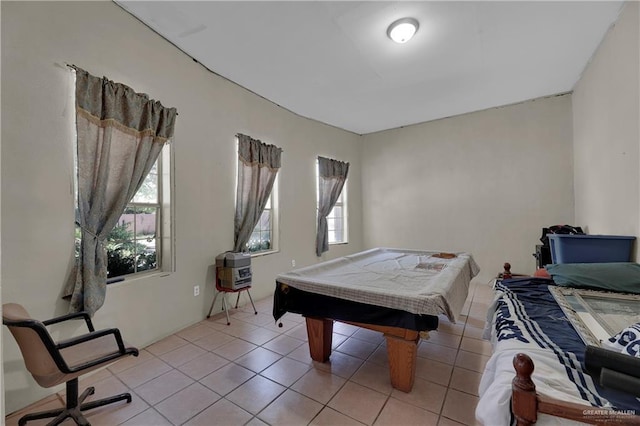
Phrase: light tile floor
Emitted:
{"points": [[254, 373]]}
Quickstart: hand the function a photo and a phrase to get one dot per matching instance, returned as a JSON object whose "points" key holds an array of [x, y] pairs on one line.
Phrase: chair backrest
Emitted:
{"points": [[34, 342]]}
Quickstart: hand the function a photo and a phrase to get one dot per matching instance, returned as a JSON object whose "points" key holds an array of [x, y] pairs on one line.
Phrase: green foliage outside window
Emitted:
{"points": [[260, 239], [125, 254]]}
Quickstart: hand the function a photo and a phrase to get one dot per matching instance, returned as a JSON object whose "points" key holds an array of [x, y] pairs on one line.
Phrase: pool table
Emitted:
{"points": [[397, 292]]}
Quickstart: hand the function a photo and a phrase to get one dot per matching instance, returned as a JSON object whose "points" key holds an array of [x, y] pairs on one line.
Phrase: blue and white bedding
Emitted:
{"points": [[525, 318], [626, 342]]}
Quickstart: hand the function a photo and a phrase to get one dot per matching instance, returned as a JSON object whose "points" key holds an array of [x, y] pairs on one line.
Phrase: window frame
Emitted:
{"points": [[274, 220], [165, 210], [342, 202]]}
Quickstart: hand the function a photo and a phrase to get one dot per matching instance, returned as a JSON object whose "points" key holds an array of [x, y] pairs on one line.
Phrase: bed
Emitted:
{"points": [[531, 333], [398, 292]]}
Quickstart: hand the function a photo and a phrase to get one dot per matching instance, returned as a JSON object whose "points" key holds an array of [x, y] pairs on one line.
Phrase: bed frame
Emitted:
{"points": [[526, 403]]}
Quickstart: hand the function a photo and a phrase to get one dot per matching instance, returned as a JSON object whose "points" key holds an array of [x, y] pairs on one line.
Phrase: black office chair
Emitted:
{"points": [[52, 363]]}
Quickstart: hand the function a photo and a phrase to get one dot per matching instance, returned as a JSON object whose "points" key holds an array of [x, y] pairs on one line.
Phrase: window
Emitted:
{"points": [[256, 218], [264, 236], [140, 241], [256, 183], [337, 220]]}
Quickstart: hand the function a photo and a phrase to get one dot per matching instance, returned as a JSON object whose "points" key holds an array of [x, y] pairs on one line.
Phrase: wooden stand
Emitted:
{"points": [[402, 348]]}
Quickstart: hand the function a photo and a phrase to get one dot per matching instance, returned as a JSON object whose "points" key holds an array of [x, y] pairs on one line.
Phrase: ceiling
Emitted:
{"points": [[333, 62]]}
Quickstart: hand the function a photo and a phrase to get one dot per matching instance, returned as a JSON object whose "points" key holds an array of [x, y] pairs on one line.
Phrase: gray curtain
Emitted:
{"points": [[258, 165], [120, 135], [333, 175]]}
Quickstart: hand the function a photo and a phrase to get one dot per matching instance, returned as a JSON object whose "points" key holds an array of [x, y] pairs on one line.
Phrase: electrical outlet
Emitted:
{"points": [[196, 290], [293, 263]]}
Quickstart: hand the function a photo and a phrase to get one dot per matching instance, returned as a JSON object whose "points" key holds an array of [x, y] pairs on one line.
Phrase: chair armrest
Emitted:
{"points": [[67, 317], [92, 336], [122, 350]]}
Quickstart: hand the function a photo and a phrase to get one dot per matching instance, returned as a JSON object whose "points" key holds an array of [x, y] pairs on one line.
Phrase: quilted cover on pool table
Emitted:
{"points": [[410, 280]]}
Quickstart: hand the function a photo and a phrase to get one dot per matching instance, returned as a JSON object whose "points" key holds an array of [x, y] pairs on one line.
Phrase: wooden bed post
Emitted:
{"points": [[523, 398], [507, 271]]}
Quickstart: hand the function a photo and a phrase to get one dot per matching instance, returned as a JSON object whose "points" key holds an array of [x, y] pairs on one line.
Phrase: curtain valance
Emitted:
{"points": [[253, 151], [329, 168], [101, 100]]}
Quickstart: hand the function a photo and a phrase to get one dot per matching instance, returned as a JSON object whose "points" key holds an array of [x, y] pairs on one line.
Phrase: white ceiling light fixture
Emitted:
{"points": [[402, 30]]}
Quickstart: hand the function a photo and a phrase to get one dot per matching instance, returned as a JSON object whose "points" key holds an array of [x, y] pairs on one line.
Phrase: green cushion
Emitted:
{"points": [[620, 276]]}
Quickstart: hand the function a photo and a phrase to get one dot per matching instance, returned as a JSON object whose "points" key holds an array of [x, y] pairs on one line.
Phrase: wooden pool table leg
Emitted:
{"points": [[320, 333], [402, 352]]}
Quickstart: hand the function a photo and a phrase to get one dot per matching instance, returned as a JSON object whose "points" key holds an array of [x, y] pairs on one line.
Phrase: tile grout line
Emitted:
{"points": [[324, 406]]}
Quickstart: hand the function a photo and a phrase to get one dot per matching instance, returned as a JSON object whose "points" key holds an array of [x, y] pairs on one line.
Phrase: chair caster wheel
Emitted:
{"points": [[280, 324], [255, 313], [228, 323]]}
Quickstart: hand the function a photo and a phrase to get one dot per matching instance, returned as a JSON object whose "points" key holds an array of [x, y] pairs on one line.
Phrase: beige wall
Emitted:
{"points": [[606, 127], [37, 170], [485, 182]]}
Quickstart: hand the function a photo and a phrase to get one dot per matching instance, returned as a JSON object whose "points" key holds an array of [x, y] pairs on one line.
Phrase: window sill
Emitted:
{"points": [[141, 276], [339, 244], [264, 253]]}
